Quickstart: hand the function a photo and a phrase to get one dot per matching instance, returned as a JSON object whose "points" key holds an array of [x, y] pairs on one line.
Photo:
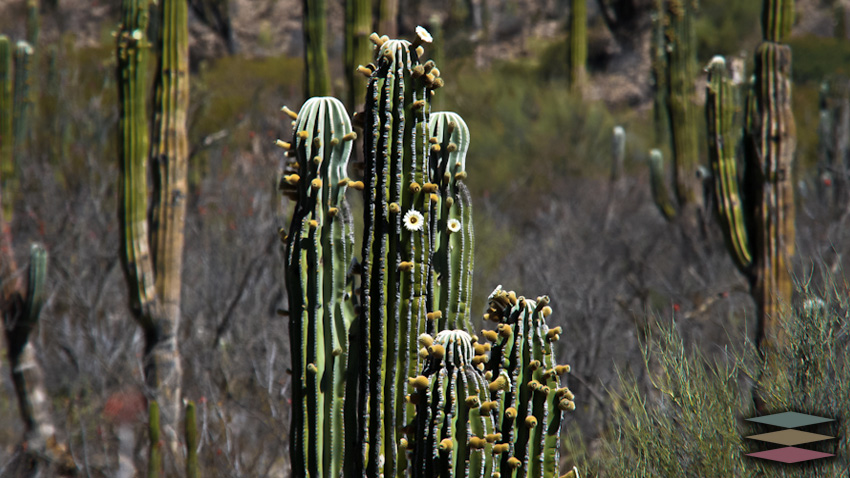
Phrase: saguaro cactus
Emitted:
{"points": [[152, 238], [578, 43], [317, 77], [7, 165], [360, 373], [358, 48], [757, 211], [677, 79]]}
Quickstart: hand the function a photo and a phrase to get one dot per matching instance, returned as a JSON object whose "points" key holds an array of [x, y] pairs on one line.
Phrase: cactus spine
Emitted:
{"points": [[390, 382], [578, 43], [152, 238], [759, 227]]}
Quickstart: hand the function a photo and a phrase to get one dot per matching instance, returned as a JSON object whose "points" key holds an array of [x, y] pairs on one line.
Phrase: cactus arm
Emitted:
{"points": [[578, 42], [658, 65], [773, 136], [681, 72], [7, 165], [192, 470], [526, 385], [318, 80], [777, 18], [23, 55], [132, 51], [722, 139], [33, 22], [317, 258], [155, 442], [450, 136], [660, 193], [358, 48]]}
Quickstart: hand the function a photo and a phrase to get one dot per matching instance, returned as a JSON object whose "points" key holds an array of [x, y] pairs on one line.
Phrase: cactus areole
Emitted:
{"points": [[388, 377]]}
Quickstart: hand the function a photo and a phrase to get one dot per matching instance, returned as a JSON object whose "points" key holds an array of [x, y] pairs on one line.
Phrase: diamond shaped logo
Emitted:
{"points": [[790, 437], [790, 420]]}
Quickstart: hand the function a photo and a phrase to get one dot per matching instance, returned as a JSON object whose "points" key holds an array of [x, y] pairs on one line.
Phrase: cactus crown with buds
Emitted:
{"points": [[389, 378]]}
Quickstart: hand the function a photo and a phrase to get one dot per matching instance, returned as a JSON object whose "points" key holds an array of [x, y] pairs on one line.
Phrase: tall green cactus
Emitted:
{"points": [[757, 210], [317, 260], [317, 77], [525, 389], [152, 237], [191, 435], [7, 165], [359, 367], [358, 48], [578, 43], [679, 65]]}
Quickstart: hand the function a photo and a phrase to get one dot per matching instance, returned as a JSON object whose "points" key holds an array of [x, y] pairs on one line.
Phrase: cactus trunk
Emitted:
{"points": [[758, 224], [404, 403], [358, 48], [578, 43], [317, 80], [152, 246], [681, 74]]}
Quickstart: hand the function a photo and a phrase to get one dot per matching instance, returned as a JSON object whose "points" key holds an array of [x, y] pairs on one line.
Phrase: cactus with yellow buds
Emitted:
{"points": [[530, 409], [450, 431], [318, 256], [390, 381]]}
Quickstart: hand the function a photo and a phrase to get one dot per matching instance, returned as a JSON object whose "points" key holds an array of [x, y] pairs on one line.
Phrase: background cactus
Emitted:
{"points": [[578, 43], [152, 237], [358, 48], [317, 79], [677, 80], [414, 282], [757, 210]]}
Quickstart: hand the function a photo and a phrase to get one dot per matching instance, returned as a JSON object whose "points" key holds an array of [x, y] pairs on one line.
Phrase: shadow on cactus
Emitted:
{"points": [[389, 377]]}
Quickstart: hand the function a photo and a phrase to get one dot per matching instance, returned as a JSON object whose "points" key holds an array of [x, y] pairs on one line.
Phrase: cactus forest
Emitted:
{"points": [[198, 281]]}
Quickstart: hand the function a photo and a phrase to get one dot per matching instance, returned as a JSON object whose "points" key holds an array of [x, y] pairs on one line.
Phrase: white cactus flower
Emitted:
{"points": [[414, 221], [454, 225]]}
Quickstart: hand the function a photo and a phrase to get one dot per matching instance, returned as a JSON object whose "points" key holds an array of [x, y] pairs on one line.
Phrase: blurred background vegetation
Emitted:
{"points": [[549, 218]]}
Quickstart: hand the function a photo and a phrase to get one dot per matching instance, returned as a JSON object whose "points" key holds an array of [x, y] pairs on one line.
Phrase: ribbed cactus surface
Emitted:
{"points": [[756, 209], [390, 381], [318, 255]]}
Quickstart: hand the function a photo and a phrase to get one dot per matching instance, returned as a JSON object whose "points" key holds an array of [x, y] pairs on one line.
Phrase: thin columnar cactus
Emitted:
{"points": [[317, 80], [679, 72], [152, 237], [191, 435], [363, 382], [358, 48], [452, 433], [23, 99], [33, 22], [578, 43], [7, 165], [757, 211], [525, 389], [660, 193], [318, 254], [154, 442], [658, 68]]}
